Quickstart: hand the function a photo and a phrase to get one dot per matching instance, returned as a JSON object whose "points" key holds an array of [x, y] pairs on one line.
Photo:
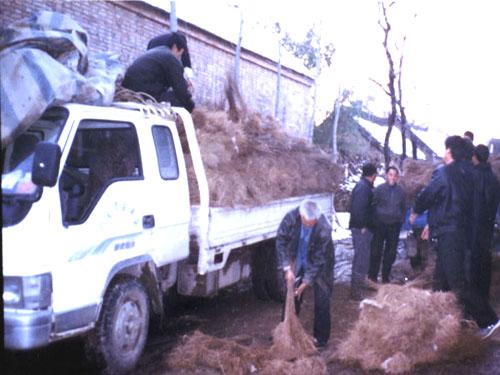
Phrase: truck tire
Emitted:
{"points": [[259, 272], [275, 284], [119, 337]]}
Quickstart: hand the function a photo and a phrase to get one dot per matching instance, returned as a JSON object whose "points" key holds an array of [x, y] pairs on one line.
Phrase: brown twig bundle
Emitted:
{"points": [[251, 161], [405, 326], [290, 341], [416, 174]]}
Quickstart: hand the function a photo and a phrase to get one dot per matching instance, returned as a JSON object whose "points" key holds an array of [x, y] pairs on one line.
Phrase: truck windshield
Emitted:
{"points": [[18, 191]]}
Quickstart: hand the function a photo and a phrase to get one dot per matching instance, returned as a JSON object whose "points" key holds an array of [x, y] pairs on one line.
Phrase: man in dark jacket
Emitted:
{"points": [[160, 73], [449, 199], [389, 202], [306, 255], [361, 225], [486, 198]]}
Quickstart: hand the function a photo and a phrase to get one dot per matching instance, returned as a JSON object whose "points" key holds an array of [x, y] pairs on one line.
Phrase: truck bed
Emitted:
{"points": [[231, 227]]}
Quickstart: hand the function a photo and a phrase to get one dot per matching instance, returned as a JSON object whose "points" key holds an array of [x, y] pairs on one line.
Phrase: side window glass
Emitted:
{"points": [[165, 152], [102, 152]]}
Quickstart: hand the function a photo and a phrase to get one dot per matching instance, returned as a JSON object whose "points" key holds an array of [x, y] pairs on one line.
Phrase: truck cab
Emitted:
{"points": [[119, 205]]}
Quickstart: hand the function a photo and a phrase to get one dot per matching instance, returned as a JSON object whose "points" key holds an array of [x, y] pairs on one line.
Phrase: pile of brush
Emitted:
{"points": [[292, 352], [415, 175], [403, 326], [249, 160], [252, 161]]}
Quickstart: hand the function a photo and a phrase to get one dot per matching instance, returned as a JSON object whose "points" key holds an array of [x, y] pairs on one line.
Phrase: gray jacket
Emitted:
{"points": [[320, 253], [389, 203]]}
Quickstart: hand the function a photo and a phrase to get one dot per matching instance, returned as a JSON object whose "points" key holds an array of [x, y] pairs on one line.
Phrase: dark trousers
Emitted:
{"points": [[383, 249], [322, 325], [480, 267], [450, 275], [360, 263], [419, 261]]}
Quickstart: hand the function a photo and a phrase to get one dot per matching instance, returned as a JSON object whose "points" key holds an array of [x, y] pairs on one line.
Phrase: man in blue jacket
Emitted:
{"points": [[361, 225], [449, 197]]}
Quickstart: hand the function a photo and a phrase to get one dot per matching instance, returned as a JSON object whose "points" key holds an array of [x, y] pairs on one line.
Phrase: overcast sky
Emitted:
{"points": [[451, 70]]}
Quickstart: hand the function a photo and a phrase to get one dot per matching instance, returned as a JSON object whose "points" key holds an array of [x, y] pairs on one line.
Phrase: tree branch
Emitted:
{"points": [[381, 86]]}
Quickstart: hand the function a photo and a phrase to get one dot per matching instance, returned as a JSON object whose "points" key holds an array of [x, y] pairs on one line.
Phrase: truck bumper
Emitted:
{"points": [[26, 329]]}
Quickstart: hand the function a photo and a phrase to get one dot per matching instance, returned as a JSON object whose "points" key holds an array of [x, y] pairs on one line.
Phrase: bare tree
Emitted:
{"points": [[396, 97], [391, 89], [402, 108]]}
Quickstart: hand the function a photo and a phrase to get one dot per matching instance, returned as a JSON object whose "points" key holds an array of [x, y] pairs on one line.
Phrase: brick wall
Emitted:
{"points": [[125, 27]]}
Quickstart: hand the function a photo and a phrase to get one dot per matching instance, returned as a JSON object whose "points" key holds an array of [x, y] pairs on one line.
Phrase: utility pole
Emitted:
{"points": [[173, 16], [238, 50], [278, 80]]}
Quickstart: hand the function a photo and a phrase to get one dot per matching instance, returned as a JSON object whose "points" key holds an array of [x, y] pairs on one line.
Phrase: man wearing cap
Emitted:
{"points": [[160, 71]]}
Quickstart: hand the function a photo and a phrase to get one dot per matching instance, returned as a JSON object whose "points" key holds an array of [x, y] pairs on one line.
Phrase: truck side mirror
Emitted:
{"points": [[45, 168]]}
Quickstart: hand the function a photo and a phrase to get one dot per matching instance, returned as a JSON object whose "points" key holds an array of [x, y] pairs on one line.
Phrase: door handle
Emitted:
{"points": [[148, 221]]}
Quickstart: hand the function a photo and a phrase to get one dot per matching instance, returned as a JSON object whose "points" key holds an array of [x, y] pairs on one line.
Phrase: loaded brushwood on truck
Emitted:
{"points": [[98, 228]]}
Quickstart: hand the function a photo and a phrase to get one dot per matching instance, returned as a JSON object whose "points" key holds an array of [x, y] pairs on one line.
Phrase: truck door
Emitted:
{"points": [[103, 197], [170, 192]]}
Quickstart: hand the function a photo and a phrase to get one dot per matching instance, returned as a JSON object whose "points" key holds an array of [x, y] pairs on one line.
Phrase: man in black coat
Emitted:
{"points": [[389, 202], [159, 72], [486, 198], [306, 255], [449, 199], [361, 225]]}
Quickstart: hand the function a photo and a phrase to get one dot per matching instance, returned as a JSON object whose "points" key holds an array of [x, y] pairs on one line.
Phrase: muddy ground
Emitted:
{"points": [[236, 312]]}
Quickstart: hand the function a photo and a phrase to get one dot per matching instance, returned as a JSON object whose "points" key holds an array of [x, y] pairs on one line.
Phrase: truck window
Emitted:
{"points": [[102, 152], [165, 152]]}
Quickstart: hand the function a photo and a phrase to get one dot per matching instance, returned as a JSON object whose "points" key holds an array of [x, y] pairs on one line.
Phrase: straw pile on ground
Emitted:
{"points": [[228, 356], [290, 341], [251, 161], [292, 352], [415, 175], [404, 326]]}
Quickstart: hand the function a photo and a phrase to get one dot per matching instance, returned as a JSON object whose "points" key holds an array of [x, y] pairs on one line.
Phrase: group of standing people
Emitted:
{"points": [[375, 222], [461, 200]]}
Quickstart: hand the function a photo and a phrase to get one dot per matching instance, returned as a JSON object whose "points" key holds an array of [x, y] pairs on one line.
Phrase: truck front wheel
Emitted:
{"points": [[121, 332]]}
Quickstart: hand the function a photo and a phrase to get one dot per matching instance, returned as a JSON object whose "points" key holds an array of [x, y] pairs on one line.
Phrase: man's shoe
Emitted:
{"points": [[489, 331]]}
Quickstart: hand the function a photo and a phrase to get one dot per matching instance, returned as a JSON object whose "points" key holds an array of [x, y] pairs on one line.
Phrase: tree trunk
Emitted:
{"points": [[392, 90], [403, 132], [414, 148]]}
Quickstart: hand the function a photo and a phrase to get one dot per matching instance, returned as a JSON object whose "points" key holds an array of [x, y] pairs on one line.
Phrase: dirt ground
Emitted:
{"points": [[237, 312]]}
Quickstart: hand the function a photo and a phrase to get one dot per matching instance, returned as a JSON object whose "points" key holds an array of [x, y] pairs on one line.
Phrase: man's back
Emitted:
{"points": [[486, 197], [361, 205], [449, 198], [155, 72]]}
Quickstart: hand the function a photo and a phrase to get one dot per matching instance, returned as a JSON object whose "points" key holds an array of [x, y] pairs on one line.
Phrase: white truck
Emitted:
{"points": [[98, 228]]}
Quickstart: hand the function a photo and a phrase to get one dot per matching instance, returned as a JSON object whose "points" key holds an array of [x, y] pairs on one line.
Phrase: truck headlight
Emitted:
{"points": [[28, 292]]}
